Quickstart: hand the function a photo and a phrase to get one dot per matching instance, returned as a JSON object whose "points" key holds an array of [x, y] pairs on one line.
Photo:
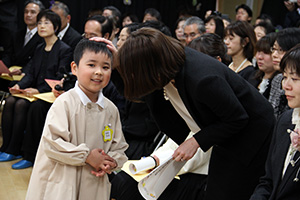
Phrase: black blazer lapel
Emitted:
{"points": [[290, 174]]}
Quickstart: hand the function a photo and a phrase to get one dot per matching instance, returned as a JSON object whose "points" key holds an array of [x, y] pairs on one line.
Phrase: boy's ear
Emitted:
{"points": [[74, 68]]}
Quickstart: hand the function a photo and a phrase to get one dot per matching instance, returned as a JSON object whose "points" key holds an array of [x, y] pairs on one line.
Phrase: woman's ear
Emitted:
{"points": [[245, 41]]}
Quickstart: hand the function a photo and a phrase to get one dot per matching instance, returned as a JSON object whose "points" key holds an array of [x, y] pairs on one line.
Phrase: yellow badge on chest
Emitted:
{"points": [[107, 134]]}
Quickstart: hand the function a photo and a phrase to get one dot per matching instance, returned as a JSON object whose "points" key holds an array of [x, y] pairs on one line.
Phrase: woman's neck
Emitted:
{"points": [[268, 75], [50, 42], [239, 63]]}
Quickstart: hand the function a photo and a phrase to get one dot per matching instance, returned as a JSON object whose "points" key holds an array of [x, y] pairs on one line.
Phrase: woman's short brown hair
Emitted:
{"points": [[244, 30], [147, 61]]}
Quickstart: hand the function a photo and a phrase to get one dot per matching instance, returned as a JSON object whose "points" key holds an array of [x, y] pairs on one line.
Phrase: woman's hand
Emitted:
{"points": [[289, 5], [16, 72], [57, 93], [109, 45], [15, 89], [186, 150], [29, 92]]}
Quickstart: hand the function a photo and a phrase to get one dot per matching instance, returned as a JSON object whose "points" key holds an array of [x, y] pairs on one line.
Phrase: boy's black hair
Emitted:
{"points": [[90, 45], [52, 16]]}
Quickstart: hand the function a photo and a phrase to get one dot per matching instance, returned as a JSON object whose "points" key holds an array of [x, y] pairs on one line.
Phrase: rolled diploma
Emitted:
{"points": [[148, 162], [141, 165]]}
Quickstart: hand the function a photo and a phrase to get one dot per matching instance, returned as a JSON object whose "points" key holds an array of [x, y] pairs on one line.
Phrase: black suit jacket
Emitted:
{"points": [[234, 119], [71, 37], [58, 62], [18, 54], [272, 186]]}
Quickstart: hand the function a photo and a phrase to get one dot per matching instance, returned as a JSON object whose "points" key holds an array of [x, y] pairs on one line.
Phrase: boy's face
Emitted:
{"points": [[93, 73]]}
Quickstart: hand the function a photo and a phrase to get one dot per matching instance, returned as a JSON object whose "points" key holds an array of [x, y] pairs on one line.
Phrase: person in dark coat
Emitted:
{"points": [[185, 89], [49, 58], [23, 43], [67, 34]]}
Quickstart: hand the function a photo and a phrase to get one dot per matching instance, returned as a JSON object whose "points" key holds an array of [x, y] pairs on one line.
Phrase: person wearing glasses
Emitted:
{"points": [[281, 180], [193, 27], [98, 26], [50, 58], [286, 39]]}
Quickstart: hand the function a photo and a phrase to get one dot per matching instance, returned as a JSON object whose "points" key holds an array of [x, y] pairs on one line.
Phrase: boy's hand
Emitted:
{"points": [[98, 173], [95, 159], [109, 163], [100, 161]]}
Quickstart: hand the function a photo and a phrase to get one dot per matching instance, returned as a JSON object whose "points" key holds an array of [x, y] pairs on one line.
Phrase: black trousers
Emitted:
{"points": [[34, 128], [190, 186]]}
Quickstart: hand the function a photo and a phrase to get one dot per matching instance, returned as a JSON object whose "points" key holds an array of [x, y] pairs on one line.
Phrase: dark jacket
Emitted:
{"points": [[71, 37], [59, 58], [235, 119], [272, 186], [18, 54]]}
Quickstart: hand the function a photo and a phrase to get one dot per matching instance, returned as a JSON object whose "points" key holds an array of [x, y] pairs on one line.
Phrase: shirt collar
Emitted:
{"points": [[85, 100], [33, 31], [62, 33]]}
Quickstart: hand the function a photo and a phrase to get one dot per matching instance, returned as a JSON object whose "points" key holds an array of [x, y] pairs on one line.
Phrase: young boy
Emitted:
{"points": [[82, 139]]}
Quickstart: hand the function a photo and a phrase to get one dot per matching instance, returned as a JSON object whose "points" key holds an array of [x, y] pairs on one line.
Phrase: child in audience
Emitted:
{"points": [[82, 140]]}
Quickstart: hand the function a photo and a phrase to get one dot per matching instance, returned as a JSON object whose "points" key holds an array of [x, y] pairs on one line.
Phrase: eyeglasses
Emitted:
{"points": [[90, 35], [279, 51]]}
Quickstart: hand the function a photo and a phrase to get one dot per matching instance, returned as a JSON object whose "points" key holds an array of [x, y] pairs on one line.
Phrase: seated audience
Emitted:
{"points": [[281, 179], [23, 43], [243, 13], [263, 28], [293, 15], [114, 14], [193, 28], [240, 41], [98, 26], [262, 78], [151, 14], [214, 24], [213, 45], [128, 18], [285, 40], [179, 30], [49, 59], [67, 34]]}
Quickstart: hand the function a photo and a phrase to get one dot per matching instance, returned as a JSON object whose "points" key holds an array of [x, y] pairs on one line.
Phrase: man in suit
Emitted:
{"points": [[67, 34], [98, 26], [24, 41]]}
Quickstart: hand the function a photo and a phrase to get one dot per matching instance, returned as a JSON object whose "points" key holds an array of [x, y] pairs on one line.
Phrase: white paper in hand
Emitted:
{"points": [[156, 182]]}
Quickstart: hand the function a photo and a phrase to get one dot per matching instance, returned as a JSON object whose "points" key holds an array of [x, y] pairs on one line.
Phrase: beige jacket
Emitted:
{"points": [[71, 130]]}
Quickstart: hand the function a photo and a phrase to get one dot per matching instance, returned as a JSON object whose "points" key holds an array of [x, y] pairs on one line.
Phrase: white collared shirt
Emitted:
{"points": [[32, 32], [62, 33], [85, 100]]}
